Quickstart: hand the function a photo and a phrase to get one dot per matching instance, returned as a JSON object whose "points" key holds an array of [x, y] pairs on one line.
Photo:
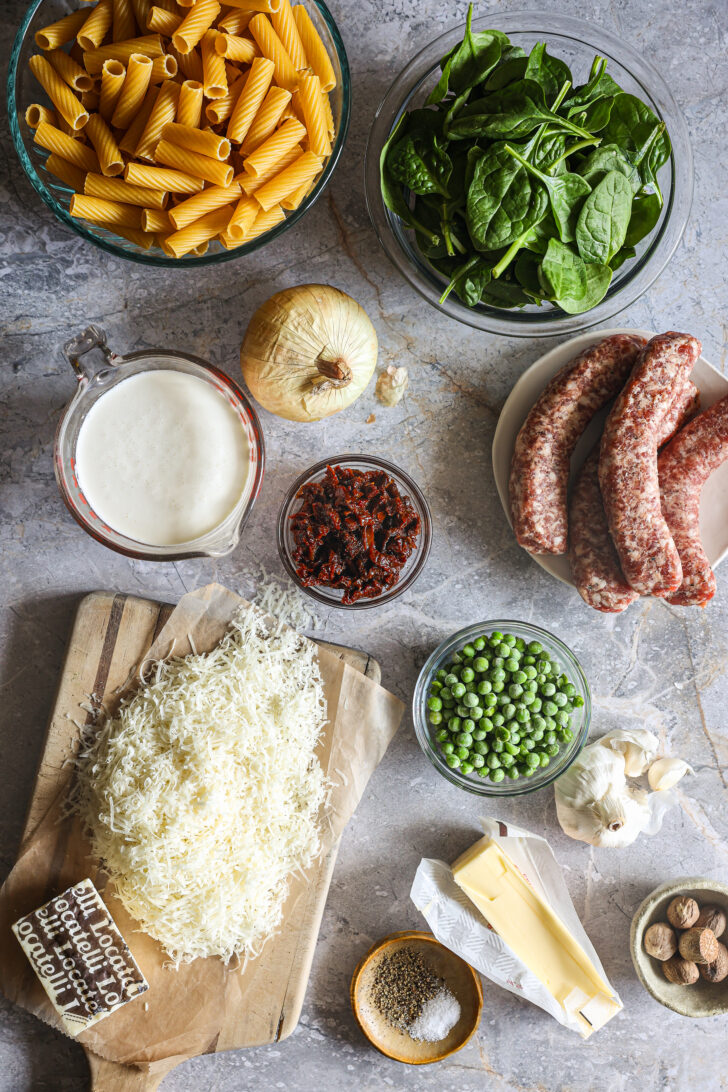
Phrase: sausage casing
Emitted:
{"points": [[540, 466], [684, 467], [628, 464]]}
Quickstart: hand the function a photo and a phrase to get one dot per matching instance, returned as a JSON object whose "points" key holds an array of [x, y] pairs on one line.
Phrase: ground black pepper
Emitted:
{"points": [[401, 984]]}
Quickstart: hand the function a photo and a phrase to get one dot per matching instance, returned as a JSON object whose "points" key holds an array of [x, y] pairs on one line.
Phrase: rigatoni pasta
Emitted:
{"points": [[178, 122]]}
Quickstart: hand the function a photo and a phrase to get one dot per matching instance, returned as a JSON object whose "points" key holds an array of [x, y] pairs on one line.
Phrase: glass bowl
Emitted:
{"points": [[576, 42], [412, 568], [98, 370], [22, 90], [581, 718]]}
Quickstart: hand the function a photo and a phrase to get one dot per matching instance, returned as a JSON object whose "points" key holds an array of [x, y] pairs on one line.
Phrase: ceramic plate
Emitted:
{"points": [[709, 381]]}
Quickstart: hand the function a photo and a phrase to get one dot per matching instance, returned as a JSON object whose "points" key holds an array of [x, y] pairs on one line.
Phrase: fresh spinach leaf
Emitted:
{"points": [[503, 201], [634, 127], [392, 194], [566, 195], [600, 86], [504, 294], [621, 257], [526, 272], [598, 279], [645, 214], [604, 219], [562, 273], [510, 67], [511, 113], [420, 163], [547, 71], [609, 157], [470, 62]]}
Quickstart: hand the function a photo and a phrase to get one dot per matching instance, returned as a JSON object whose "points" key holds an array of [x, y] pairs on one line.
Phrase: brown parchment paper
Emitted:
{"points": [[203, 1006]]}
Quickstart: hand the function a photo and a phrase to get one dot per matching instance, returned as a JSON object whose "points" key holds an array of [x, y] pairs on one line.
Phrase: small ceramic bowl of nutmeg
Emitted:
{"points": [[679, 943]]}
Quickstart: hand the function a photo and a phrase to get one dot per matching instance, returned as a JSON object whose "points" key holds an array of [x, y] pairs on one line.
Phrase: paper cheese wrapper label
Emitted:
{"points": [[80, 957]]}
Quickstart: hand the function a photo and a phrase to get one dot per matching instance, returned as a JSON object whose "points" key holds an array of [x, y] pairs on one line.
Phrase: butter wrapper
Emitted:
{"points": [[80, 957], [457, 923]]}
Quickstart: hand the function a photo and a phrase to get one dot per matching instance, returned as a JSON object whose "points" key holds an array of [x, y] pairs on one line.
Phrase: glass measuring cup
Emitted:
{"points": [[98, 369]]}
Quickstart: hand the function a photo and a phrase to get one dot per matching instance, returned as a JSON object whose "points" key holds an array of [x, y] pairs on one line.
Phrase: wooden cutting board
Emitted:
{"points": [[110, 636]]}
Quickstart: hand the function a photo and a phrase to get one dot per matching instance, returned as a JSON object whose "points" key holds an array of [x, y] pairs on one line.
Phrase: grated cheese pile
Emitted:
{"points": [[201, 796]]}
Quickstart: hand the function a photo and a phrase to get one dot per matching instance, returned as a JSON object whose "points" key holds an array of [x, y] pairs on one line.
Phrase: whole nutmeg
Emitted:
{"points": [[682, 972], [683, 912], [698, 945], [713, 918], [660, 941], [717, 970]]}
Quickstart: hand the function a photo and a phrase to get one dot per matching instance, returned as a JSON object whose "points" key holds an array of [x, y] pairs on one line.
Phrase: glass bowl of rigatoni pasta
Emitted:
{"points": [[186, 131]]}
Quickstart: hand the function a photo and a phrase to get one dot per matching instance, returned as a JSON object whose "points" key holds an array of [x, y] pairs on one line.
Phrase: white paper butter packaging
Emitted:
{"points": [[585, 1004]]}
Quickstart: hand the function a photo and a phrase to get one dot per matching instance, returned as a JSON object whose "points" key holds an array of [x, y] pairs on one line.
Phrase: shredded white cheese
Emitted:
{"points": [[202, 795], [284, 601]]}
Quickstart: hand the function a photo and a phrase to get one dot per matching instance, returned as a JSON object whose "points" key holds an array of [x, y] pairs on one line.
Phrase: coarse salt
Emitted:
{"points": [[438, 1017]]}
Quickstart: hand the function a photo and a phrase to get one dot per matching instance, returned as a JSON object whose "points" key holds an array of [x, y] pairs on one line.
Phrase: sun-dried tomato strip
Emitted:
{"points": [[354, 531]]}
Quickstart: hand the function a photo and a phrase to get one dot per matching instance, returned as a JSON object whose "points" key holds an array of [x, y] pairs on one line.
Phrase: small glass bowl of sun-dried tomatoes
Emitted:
{"points": [[354, 531]]}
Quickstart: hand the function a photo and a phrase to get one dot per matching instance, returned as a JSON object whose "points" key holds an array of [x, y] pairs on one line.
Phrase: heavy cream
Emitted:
{"points": [[162, 458]]}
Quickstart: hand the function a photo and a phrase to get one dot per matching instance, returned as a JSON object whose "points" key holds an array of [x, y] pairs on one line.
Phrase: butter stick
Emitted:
{"points": [[80, 957]]}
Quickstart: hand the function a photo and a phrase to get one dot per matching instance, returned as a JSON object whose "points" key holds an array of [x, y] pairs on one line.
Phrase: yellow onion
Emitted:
{"points": [[308, 352]]}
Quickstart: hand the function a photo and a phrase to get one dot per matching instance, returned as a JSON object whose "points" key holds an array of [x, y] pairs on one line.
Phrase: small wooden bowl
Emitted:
{"points": [[703, 998], [461, 979]]}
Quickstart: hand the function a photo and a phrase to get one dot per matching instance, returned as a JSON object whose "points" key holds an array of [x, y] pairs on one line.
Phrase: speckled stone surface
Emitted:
{"points": [[655, 665]]}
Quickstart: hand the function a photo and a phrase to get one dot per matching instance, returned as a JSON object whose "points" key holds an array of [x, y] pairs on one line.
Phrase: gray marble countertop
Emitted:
{"points": [[654, 665]]}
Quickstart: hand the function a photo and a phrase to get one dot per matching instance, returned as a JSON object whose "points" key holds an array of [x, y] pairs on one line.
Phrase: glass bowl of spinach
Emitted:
{"points": [[529, 174]]}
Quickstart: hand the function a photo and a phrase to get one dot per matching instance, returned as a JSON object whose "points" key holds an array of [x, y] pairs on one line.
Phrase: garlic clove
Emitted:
{"points": [[666, 772], [391, 385], [637, 746]]}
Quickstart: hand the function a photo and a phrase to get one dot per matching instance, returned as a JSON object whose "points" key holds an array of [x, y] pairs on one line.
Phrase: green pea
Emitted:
{"points": [[477, 760], [479, 748], [470, 700], [442, 736], [479, 644], [513, 726], [467, 674], [456, 659], [490, 700], [485, 772], [550, 708], [498, 687], [536, 705], [578, 701], [497, 745], [458, 689], [511, 748], [484, 687], [532, 761], [511, 664], [496, 637], [450, 679], [468, 651], [454, 724], [526, 771], [515, 737], [535, 648], [485, 724], [461, 752], [560, 699], [513, 773], [520, 644], [509, 639], [435, 718], [520, 676], [550, 723], [503, 733], [434, 703], [553, 750], [566, 735], [466, 767], [562, 718], [549, 737], [530, 660], [529, 743], [506, 760], [448, 748], [435, 686], [522, 716], [480, 664], [537, 734], [462, 710], [492, 761], [453, 761], [528, 698], [515, 690], [464, 739], [530, 672], [498, 719], [497, 775], [544, 759], [508, 709], [478, 734], [476, 712], [504, 649], [497, 674], [441, 674], [543, 667]]}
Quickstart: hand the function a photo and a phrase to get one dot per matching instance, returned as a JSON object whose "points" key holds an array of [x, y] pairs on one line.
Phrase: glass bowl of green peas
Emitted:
{"points": [[502, 708]]}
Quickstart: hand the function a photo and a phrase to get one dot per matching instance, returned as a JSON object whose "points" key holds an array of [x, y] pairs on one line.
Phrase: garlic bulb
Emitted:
{"points": [[595, 804], [666, 772], [308, 352], [637, 745]]}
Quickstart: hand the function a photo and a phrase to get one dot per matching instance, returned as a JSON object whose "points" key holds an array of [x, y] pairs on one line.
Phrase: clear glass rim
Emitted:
{"points": [[184, 550], [635, 279], [187, 262], [419, 713], [413, 491]]}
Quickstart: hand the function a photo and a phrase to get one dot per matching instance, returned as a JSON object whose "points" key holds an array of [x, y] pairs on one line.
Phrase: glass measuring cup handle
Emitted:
{"points": [[84, 350]]}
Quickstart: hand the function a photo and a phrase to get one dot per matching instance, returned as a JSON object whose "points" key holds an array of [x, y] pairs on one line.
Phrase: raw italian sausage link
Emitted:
{"points": [[628, 464], [684, 467], [593, 558], [540, 465]]}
